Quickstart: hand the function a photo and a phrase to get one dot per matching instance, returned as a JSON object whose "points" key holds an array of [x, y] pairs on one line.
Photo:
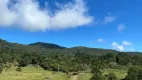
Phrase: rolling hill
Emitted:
{"points": [[47, 48]]}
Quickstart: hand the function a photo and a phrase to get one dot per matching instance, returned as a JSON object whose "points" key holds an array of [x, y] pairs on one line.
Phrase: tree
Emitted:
{"points": [[1, 67], [19, 69], [96, 71], [98, 77], [111, 76], [97, 74], [134, 73]]}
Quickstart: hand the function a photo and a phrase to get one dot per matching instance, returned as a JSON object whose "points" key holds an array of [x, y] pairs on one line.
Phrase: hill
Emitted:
{"points": [[53, 57], [47, 45], [47, 48]]}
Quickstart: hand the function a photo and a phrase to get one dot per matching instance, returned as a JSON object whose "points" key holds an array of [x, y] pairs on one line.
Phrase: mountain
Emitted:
{"points": [[92, 51], [47, 45], [49, 48]]}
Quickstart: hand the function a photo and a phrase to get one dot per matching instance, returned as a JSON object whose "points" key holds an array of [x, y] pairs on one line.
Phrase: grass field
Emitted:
{"points": [[32, 73], [119, 73], [85, 76]]}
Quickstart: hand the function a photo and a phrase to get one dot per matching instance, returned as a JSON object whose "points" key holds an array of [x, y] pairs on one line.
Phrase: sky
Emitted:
{"points": [[109, 24]]}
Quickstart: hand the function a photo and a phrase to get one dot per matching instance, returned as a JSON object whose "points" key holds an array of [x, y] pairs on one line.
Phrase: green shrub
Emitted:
{"points": [[134, 73], [111, 76], [113, 65], [96, 71], [1, 68], [98, 77], [19, 69]]}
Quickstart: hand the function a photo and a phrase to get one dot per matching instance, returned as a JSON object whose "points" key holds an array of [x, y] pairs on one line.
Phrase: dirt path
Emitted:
{"points": [[75, 77]]}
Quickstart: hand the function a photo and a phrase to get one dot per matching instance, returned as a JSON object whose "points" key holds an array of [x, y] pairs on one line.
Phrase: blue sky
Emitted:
{"points": [[110, 24]]}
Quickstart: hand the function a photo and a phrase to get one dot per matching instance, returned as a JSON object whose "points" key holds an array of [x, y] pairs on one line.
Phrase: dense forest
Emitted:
{"points": [[76, 59]]}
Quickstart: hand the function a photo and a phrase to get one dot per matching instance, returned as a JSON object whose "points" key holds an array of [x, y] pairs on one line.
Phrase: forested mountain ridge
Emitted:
{"points": [[47, 45], [57, 58], [41, 47]]}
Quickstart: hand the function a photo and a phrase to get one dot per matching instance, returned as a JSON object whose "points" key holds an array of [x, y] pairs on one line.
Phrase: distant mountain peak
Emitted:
{"points": [[47, 45], [1, 40], [80, 47]]}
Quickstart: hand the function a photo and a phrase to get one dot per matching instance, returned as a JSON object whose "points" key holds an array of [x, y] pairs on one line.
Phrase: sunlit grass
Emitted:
{"points": [[31, 73], [85, 76], [121, 74]]}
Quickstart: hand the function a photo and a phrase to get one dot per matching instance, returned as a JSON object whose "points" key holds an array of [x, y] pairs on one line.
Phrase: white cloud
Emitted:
{"points": [[28, 15], [101, 40], [109, 19], [7, 16], [126, 43], [71, 15], [126, 46], [121, 27], [117, 46]]}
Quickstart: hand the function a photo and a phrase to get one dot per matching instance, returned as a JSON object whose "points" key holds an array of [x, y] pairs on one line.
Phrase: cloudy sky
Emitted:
{"points": [[110, 24]]}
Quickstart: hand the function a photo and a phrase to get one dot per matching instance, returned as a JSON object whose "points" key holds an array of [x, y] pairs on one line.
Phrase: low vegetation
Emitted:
{"points": [[31, 73]]}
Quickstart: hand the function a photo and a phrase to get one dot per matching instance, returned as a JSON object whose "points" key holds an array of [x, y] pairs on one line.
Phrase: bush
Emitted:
{"points": [[111, 76], [7, 65], [113, 65], [98, 77], [134, 73], [19, 69], [76, 73], [46, 78], [1, 68], [96, 71]]}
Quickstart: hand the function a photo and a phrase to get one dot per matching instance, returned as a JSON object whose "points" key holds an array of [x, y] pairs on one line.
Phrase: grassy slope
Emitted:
{"points": [[31, 73], [119, 73], [85, 76]]}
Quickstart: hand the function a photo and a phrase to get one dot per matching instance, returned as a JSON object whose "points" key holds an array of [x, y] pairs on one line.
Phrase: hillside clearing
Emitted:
{"points": [[32, 73]]}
